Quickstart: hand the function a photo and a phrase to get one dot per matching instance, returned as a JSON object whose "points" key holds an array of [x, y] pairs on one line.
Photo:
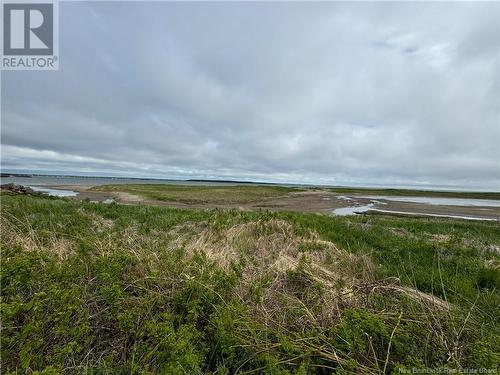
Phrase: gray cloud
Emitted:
{"points": [[389, 93]]}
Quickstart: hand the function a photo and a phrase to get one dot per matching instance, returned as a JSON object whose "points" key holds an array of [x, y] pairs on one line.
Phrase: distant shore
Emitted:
{"points": [[413, 190]]}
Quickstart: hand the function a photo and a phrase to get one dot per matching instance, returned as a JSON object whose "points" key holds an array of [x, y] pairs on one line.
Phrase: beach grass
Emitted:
{"points": [[115, 289]]}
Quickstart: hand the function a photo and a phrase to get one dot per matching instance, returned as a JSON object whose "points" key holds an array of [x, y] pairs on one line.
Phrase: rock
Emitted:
{"points": [[19, 189]]}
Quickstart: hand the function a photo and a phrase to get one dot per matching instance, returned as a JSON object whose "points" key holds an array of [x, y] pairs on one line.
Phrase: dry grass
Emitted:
{"points": [[269, 245], [270, 250], [297, 271], [21, 233], [100, 223]]}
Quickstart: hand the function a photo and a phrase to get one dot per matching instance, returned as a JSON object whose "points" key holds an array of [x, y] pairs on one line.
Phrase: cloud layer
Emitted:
{"points": [[337, 93]]}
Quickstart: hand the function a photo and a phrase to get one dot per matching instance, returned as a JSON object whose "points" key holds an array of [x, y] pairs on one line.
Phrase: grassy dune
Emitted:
{"points": [[199, 194], [137, 289]]}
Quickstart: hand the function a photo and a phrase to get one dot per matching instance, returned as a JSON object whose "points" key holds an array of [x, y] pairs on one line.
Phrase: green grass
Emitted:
{"points": [[418, 193], [200, 194], [116, 289]]}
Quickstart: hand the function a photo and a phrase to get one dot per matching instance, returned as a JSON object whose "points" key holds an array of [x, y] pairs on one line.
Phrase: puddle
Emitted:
{"points": [[54, 192], [352, 210], [438, 201]]}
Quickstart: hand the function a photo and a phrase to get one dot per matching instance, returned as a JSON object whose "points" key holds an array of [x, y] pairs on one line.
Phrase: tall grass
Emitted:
{"points": [[93, 288]]}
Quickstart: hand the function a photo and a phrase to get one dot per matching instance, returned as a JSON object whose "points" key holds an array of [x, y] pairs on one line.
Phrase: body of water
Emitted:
{"points": [[75, 180], [54, 192], [353, 210], [437, 201], [381, 200]]}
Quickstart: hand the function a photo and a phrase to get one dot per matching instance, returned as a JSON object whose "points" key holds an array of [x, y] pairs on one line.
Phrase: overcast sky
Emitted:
{"points": [[334, 93]]}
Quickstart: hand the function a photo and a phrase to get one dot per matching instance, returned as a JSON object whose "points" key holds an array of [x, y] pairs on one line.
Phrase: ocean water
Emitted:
{"points": [[75, 180]]}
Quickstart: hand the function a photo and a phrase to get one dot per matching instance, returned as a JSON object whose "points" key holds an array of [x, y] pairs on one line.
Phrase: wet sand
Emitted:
{"points": [[389, 207]]}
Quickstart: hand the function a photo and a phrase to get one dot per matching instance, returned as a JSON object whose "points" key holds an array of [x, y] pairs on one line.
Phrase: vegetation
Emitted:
{"points": [[196, 194], [116, 289]]}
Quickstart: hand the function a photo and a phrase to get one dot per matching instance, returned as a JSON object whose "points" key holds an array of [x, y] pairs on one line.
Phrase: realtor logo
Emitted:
{"points": [[29, 40]]}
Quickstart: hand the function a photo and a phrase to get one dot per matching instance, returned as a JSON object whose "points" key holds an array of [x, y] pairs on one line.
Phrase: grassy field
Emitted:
{"points": [[116, 289], [199, 194], [243, 194]]}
